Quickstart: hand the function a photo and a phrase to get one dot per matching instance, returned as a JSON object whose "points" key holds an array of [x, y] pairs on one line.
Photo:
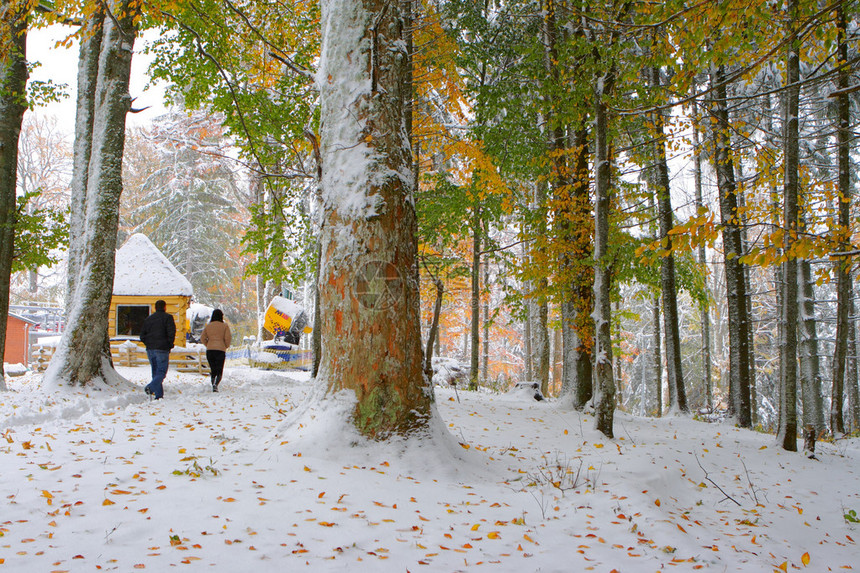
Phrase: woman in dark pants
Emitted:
{"points": [[216, 336]]}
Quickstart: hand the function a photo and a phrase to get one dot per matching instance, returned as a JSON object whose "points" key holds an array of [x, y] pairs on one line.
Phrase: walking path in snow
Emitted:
{"points": [[249, 479]]}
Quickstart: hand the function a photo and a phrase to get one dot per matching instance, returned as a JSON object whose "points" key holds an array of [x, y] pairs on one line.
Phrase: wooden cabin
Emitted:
{"points": [[143, 275], [17, 344]]}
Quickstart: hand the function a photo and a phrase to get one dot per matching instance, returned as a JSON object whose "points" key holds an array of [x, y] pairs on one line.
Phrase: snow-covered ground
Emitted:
{"points": [[254, 479]]}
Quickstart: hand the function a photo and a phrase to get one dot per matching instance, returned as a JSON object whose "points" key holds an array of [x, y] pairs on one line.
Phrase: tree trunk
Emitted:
{"points": [[485, 360], [370, 322], [475, 339], [84, 351], [88, 72], [316, 335], [787, 433], [572, 208], [527, 325], [747, 298], [13, 104], [434, 328], [810, 364], [738, 321], [853, 382], [704, 309], [604, 403], [657, 355], [667, 266], [843, 187]]}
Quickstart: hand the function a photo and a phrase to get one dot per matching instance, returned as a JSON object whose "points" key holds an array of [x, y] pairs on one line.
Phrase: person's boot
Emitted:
{"points": [[215, 384]]}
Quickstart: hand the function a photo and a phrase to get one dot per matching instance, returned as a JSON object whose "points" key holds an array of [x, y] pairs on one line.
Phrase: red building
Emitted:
{"points": [[17, 340]]}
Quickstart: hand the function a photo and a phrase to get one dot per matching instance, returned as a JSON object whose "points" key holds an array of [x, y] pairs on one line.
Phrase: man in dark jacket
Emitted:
{"points": [[157, 334]]}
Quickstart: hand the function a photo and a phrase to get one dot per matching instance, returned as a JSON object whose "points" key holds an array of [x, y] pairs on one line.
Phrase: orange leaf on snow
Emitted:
{"points": [[476, 526], [805, 558], [681, 528], [783, 566], [322, 493], [107, 502], [139, 566], [307, 469], [326, 524], [493, 535], [657, 502], [229, 499]]}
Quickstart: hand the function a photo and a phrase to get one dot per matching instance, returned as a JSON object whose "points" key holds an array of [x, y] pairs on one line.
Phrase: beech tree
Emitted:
{"points": [[103, 102], [370, 324]]}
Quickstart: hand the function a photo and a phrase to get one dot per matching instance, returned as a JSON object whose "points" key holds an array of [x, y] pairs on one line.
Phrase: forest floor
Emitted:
{"points": [[257, 478]]}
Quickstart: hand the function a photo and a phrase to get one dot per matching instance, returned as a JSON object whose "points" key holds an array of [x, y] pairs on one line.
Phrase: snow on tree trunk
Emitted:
{"points": [[787, 433], [810, 365], [657, 355], [13, 104], [604, 402], [368, 278], [84, 353], [88, 69], [853, 383], [704, 307], [738, 320], [677, 392]]}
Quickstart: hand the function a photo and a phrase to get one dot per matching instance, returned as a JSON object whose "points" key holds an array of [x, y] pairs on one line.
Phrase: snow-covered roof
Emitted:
{"points": [[142, 270], [22, 318]]}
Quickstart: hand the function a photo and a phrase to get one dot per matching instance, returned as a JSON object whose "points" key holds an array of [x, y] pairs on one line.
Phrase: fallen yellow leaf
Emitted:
{"points": [[805, 558], [493, 535]]}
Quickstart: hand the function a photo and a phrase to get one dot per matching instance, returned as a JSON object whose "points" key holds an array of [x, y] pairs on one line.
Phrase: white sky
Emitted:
{"points": [[61, 65]]}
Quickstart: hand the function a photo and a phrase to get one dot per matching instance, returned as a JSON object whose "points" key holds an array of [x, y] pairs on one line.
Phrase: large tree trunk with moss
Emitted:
{"points": [[84, 352], [13, 104], [369, 321]]}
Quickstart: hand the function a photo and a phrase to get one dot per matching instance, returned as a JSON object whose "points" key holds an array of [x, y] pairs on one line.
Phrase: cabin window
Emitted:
{"points": [[129, 319]]}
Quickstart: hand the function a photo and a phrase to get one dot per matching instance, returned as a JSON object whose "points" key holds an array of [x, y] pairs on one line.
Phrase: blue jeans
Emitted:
{"points": [[159, 360]]}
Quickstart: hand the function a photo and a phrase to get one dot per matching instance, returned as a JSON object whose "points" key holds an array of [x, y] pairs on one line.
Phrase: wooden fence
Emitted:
{"points": [[181, 359]]}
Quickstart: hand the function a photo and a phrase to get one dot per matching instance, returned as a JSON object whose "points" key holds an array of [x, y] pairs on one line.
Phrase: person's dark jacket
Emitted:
{"points": [[158, 331]]}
